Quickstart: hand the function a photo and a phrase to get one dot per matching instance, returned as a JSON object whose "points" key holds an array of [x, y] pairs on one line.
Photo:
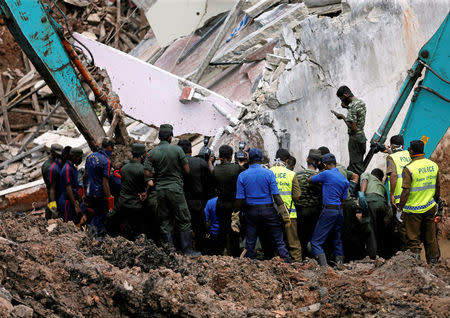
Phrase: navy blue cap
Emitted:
{"points": [[328, 158], [255, 154]]}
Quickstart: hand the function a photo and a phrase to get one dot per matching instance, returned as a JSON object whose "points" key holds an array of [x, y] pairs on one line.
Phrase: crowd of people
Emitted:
{"points": [[244, 204]]}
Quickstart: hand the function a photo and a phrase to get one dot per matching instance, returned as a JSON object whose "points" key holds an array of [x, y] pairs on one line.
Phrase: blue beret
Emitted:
{"points": [[255, 154], [328, 158]]}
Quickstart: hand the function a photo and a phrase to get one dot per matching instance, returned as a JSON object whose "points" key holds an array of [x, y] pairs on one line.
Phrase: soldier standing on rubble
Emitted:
{"points": [[133, 193], [197, 191], [309, 205], [97, 173], [69, 200], [225, 177], [373, 202], [170, 162], [355, 121], [50, 173]]}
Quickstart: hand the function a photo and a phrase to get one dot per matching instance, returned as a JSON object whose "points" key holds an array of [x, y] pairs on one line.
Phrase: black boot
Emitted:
{"points": [[186, 244], [322, 259], [339, 260], [167, 239]]}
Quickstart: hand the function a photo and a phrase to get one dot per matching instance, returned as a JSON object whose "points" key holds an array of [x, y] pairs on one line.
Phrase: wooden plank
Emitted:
{"points": [[5, 111], [116, 37], [332, 8], [33, 112], [22, 187], [34, 98]]}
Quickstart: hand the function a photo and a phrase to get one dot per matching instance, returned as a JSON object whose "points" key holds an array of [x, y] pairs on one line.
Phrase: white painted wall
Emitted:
{"points": [[368, 49]]}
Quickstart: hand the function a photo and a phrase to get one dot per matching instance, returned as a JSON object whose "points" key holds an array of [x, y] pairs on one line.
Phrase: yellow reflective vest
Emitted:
{"points": [[423, 186], [284, 178], [401, 159]]}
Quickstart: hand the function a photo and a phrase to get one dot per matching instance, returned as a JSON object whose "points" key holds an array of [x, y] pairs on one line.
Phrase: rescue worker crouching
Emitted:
{"points": [[289, 192], [421, 190]]}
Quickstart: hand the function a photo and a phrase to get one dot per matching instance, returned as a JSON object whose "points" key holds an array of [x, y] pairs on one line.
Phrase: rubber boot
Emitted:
{"points": [[432, 260], [339, 260], [186, 244], [417, 254], [322, 259], [167, 239]]}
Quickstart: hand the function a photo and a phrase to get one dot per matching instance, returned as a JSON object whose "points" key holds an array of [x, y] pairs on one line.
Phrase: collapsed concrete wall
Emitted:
{"points": [[369, 47]]}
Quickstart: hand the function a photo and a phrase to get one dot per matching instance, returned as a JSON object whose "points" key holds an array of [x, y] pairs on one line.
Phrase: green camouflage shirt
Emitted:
{"points": [[311, 192], [347, 174], [356, 114]]}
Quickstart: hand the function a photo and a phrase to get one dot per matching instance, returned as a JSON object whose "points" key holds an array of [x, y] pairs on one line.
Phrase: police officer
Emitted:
{"points": [[421, 190], [289, 192], [69, 200], [225, 177], [170, 162], [97, 174], [351, 234], [397, 159], [197, 190], [334, 192], [257, 187], [309, 205], [372, 198], [133, 193], [50, 173], [355, 121]]}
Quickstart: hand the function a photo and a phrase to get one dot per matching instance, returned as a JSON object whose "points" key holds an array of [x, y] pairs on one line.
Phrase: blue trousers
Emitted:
{"points": [[329, 223], [267, 218], [100, 208], [66, 210]]}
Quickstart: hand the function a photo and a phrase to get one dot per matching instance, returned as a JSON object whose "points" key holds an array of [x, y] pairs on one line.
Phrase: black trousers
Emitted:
{"points": [[306, 223], [226, 237], [196, 208]]}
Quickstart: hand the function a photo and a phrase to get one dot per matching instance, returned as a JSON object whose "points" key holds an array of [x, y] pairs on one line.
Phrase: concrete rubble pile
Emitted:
{"points": [[53, 269]]}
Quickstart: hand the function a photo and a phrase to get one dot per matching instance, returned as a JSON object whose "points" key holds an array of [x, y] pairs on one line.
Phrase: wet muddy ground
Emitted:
{"points": [[52, 269]]}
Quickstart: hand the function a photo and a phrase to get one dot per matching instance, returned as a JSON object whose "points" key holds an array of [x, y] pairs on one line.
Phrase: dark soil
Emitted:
{"points": [[56, 269]]}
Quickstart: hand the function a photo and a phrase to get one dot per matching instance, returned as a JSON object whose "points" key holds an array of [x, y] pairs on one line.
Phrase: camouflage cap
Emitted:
{"points": [[76, 152], [138, 148], [166, 127], [315, 154], [56, 148]]}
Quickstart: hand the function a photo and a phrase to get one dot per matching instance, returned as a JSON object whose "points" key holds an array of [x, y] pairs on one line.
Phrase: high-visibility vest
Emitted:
{"points": [[401, 159], [284, 178], [423, 186]]}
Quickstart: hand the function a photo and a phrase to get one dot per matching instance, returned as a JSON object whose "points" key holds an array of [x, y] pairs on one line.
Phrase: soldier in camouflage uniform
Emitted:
{"points": [[355, 121], [310, 203]]}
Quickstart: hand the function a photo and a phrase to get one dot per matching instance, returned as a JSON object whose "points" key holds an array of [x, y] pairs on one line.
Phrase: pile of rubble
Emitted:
{"points": [[52, 269]]}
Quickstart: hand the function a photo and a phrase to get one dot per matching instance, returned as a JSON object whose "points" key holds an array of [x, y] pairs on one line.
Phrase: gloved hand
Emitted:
{"points": [[110, 202], [352, 188], [285, 215], [52, 206], [398, 215], [362, 200], [235, 222], [437, 219]]}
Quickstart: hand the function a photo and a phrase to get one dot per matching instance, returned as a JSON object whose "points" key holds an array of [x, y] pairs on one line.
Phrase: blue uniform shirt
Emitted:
{"points": [[334, 186], [257, 185], [98, 166], [210, 214], [54, 173], [69, 176]]}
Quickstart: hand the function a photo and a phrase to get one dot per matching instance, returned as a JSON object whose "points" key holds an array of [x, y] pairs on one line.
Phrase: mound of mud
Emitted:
{"points": [[52, 269]]}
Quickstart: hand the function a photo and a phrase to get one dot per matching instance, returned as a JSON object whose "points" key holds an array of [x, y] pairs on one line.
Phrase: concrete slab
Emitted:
{"points": [[151, 94]]}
